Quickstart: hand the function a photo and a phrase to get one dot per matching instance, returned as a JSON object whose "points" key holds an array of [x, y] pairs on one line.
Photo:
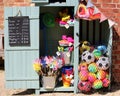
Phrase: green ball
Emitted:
{"points": [[97, 53], [92, 68], [97, 84]]}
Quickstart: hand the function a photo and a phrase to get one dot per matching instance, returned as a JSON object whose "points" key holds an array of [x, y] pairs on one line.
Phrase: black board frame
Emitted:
{"points": [[19, 31]]}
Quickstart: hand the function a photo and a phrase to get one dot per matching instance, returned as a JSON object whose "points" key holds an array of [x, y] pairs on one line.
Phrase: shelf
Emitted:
{"points": [[59, 89], [55, 4]]}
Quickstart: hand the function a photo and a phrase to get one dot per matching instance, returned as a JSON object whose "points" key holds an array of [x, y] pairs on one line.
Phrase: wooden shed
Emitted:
{"points": [[25, 45]]}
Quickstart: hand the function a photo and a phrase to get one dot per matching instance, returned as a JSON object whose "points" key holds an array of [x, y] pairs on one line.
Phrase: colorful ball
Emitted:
{"points": [[88, 57], [92, 77], [83, 75], [83, 66], [84, 86], [106, 82], [101, 74], [103, 63], [97, 53], [97, 84], [102, 48], [107, 75], [92, 67]]}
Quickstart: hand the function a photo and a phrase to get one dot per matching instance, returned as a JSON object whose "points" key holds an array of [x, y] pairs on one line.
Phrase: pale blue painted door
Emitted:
{"points": [[19, 71]]}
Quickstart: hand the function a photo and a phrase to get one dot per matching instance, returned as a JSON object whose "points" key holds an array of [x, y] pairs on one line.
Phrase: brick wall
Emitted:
{"points": [[110, 8]]}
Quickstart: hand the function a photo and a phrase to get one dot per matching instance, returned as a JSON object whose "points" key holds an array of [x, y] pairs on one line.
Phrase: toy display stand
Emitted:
{"points": [[19, 59]]}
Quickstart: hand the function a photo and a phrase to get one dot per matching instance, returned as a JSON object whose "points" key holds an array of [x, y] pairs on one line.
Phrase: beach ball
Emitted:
{"points": [[106, 82], [83, 66], [92, 67], [92, 77], [97, 84], [83, 75], [84, 86], [102, 48], [97, 53], [101, 74]]}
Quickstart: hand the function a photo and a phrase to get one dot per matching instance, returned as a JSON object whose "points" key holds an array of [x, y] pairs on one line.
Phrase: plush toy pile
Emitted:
{"points": [[93, 68], [65, 17]]}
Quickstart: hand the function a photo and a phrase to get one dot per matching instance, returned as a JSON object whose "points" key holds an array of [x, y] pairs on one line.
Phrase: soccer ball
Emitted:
{"points": [[84, 86], [88, 57], [103, 63]]}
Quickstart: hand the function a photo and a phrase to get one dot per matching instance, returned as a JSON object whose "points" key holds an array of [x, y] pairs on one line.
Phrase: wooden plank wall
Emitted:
{"points": [[19, 71]]}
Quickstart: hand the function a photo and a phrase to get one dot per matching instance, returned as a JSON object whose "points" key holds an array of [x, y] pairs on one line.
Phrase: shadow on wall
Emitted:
{"points": [[115, 84], [115, 68], [1, 64]]}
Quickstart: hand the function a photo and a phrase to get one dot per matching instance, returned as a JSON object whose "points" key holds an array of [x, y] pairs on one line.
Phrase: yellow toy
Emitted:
{"points": [[84, 46]]}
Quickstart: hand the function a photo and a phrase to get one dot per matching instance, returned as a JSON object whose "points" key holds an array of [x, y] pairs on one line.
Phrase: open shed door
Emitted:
{"points": [[19, 56]]}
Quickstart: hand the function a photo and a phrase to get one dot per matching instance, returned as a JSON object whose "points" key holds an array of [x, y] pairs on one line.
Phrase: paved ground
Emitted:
{"points": [[7, 92]]}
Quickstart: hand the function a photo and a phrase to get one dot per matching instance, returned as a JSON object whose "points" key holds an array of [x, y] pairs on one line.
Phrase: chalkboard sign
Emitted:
{"points": [[19, 31]]}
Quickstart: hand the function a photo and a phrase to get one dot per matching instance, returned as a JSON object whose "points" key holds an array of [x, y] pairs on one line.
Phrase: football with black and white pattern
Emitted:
{"points": [[88, 57], [103, 63]]}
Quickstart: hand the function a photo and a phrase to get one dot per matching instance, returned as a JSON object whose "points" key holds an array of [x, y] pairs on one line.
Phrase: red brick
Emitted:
{"points": [[94, 1], [109, 5], [22, 4], [27, 0], [19, 0], [117, 62], [118, 47], [1, 1], [118, 5], [116, 77], [114, 47], [104, 1], [116, 52], [115, 1], [116, 70], [98, 5]]}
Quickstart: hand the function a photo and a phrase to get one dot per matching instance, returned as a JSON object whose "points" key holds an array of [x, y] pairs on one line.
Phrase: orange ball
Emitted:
{"points": [[101, 74], [83, 75], [83, 66]]}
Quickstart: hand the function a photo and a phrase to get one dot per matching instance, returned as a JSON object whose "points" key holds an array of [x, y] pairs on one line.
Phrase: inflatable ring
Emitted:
{"points": [[82, 11], [93, 16], [48, 20]]}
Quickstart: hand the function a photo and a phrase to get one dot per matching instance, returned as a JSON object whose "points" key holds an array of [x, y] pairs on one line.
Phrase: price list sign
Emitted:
{"points": [[19, 31]]}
